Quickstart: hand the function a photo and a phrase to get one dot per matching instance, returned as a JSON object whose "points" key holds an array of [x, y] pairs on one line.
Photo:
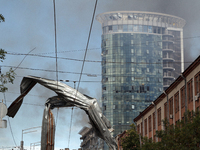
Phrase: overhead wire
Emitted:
{"points": [[93, 61], [9, 122], [40, 54], [83, 65], [24, 58], [56, 53]]}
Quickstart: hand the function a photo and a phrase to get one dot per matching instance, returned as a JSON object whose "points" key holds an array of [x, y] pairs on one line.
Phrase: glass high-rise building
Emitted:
{"points": [[142, 53]]}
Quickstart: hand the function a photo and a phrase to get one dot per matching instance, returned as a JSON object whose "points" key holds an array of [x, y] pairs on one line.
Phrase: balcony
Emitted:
{"points": [[168, 50], [167, 76], [168, 66], [168, 57], [167, 41], [167, 34]]}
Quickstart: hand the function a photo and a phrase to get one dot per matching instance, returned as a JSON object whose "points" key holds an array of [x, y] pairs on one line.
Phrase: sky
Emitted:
{"points": [[29, 25]]}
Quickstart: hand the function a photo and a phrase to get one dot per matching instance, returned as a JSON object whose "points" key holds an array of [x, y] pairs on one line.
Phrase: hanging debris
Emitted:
{"points": [[66, 97]]}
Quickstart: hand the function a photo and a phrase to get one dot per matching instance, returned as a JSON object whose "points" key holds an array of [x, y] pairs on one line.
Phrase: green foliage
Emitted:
{"points": [[10, 75], [185, 135], [131, 141]]}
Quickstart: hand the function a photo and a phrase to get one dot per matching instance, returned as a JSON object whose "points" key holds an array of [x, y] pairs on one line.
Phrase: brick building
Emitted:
{"points": [[182, 95]]}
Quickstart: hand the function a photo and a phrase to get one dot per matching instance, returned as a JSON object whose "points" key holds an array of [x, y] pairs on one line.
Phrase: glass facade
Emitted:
{"points": [[131, 76], [141, 55]]}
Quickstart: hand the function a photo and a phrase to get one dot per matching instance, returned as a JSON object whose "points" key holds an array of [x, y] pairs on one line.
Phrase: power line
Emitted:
{"points": [[114, 46], [46, 70], [95, 61], [54, 10], [9, 122], [83, 65], [24, 58]]}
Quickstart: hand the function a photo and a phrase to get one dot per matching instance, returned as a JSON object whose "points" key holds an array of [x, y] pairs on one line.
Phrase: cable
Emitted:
{"points": [[54, 6], [10, 123], [24, 58], [70, 126], [95, 61], [83, 65], [49, 70], [114, 46]]}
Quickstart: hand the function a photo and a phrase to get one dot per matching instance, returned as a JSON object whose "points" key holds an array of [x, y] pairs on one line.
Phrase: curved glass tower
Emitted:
{"points": [[141, 53]]}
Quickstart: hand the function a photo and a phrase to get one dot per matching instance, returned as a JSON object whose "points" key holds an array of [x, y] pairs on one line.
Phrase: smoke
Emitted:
{"points": [[187, 10], [30, 24]]}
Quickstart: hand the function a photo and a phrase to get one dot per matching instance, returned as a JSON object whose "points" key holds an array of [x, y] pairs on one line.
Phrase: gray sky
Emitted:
{"points": [[29, 24]]}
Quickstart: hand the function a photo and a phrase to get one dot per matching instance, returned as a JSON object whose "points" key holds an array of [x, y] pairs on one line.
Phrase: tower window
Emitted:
{"points": [[147, 88], [104, 107], [109, 28]]}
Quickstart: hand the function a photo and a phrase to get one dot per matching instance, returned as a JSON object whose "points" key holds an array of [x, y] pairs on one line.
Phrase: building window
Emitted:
{"points": [[147, 69], [150, 123], [132, 51], [183, 96], [138, 129], [171, 106], [133, 106], [104, 88], [154, 121], [132, 78], [147, 51], [147, 88], [165, 110], [132, 60], [148, 79], [159, 116], [104, 107], [150, 29], [190, 90], [141, 129], [135, 28], [115, 28], [196, 84], [142, 88], [145, 126], [132, 69], [176, 98], [132, 42], [109, 28], [132, 96], [130, 28]]}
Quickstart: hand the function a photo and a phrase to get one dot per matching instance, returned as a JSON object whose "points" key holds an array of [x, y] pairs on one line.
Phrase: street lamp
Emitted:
{"points": [[26, 131]]}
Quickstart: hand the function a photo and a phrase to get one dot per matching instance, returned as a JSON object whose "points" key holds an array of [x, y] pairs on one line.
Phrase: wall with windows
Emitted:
{"points": [[141, 56], [131, 75], [183, 94]]}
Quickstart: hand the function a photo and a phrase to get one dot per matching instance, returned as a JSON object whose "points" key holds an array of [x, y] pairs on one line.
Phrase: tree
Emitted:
{"points": [[185, 135], [9, 76], [131, 141]]}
